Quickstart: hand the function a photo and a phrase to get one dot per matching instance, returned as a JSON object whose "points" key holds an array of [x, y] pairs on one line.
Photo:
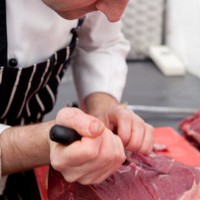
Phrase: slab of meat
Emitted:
{"points": [[190, 126], [133, 182]]}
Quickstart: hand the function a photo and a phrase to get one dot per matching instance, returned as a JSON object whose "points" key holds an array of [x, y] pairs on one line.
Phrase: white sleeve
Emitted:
{"points": [[3, 127], [100, 58]]}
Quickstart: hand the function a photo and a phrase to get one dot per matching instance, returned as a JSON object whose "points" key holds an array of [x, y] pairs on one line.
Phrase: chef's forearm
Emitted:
{"points": [[24, 148], [99, 102]]}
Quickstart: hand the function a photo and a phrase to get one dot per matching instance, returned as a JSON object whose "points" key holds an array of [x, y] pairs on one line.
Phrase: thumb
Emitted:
{"points": [[86, 125]]}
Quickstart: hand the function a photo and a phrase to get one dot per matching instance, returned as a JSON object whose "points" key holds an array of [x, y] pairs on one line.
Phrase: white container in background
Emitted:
{"points": [[183, 32]]}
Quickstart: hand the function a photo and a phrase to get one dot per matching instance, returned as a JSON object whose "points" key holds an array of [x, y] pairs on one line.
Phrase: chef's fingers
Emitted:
{"points": [[130, 127], [76, 154], [136, 135], [105, 166], [148, 140], [110, 157], [121, 119], [84, 124]]}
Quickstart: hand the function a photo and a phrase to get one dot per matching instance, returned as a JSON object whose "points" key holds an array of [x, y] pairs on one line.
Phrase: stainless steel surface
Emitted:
{"points": [[162, 109]]}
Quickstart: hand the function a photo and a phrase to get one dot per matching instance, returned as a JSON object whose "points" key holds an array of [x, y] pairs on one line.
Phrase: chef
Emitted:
{"points": [[38, 39]]}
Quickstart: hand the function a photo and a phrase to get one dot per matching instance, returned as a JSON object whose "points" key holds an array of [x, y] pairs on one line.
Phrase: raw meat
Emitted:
{"points": [[190, 127], [133, 182]]}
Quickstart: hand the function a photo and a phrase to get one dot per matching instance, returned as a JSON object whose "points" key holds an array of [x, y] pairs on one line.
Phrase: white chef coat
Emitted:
{"points": [[35, 32]]}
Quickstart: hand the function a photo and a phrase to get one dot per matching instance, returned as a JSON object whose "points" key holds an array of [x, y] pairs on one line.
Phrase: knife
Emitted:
{"points": [[67, 136], [63, 135]]}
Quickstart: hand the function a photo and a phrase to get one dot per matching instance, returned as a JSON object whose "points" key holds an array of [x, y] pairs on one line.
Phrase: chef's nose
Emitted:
{"points": [[113, 9]]}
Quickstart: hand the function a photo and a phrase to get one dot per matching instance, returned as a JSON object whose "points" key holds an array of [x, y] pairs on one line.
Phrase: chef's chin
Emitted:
{"points": [[70, 17], [76, 14]]}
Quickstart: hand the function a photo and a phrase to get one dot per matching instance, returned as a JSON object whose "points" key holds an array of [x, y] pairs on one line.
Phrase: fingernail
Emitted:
{"points": [[95, 127]]}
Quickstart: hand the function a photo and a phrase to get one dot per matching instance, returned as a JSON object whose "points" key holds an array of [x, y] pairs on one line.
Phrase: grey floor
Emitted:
{"points": [[146, 85]]}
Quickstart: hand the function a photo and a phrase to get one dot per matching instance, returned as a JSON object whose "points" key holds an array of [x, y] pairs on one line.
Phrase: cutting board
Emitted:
{"points": [[177, 148]]}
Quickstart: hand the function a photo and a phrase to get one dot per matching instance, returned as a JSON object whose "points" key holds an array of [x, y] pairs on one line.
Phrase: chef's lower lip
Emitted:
{"points": [[79, 7], [77, 13]]}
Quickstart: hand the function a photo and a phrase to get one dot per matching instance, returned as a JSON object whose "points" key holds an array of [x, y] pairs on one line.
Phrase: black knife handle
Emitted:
{"points": [[63, 135]]}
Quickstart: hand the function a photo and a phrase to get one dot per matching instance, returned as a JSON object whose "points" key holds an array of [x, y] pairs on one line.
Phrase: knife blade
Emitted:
{"points": [[162, 109]]}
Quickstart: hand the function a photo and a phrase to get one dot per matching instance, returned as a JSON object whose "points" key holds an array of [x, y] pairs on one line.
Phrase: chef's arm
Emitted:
{"points": [[24, 147], [98, 103], [90, 160]]}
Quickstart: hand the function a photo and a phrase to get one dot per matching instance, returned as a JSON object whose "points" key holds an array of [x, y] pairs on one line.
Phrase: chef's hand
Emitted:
{"points": [[92, 159], [136, 135]]}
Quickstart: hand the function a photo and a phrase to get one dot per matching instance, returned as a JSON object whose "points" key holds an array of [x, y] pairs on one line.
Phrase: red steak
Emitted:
{"points": [[190, 127], [133, 182]]}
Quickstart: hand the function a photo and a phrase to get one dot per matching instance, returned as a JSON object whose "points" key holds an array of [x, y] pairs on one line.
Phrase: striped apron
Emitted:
{"points": [[26, 95]]}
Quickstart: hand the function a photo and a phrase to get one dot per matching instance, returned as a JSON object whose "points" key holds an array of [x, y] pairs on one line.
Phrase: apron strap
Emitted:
{"points": [[3, 34], [75, 34]]}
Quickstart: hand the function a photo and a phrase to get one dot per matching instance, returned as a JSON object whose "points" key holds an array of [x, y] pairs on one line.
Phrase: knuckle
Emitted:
{"points": [[62, 112], [150, 128], [117, 158], [141, 124], [71, 113], [136, 147], [91, 153], [109, 157], [147, 145], [145, 150], [70, 179], [56, 164], [150, 149], [133, 145], [120, 156], [120, 159], [138, 128], [126, 114], [85, 182], [123, 158]]}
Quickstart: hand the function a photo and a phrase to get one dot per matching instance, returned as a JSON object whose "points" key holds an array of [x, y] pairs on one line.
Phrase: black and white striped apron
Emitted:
{"points": [[26, 95]]}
